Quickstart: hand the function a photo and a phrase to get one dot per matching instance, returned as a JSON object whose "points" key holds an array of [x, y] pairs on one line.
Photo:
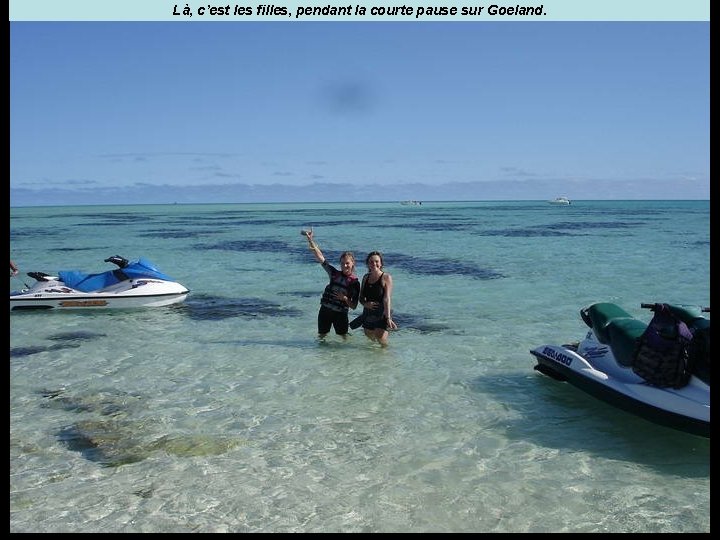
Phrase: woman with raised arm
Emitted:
{"points": [[340, 294]]}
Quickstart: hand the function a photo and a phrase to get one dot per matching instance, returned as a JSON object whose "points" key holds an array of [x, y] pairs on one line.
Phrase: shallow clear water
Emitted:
{"points": [[226, 413]]}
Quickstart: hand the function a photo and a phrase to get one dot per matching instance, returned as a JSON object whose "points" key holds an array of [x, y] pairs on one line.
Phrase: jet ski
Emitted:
{"points": [[605, 365], [137, 284]]}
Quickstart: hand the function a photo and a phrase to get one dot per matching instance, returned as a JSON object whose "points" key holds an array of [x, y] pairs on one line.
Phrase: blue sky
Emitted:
{"points": [[162, 112]]}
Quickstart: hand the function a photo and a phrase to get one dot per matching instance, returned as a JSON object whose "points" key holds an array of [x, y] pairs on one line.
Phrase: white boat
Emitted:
{"points": [[560, 201], [411, 203], [137, 284]]}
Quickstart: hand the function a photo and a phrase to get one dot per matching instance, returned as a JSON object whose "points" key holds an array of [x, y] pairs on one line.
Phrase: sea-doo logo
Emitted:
{"points": [[552, 354], [83, 303]]}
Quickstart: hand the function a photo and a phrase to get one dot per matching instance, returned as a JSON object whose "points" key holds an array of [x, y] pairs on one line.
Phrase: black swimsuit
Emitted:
{"points": [[374, 292]]}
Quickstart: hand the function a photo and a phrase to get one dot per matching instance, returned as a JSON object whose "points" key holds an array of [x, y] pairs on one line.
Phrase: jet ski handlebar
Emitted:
{"points": [[122, 262], [652, 307]]}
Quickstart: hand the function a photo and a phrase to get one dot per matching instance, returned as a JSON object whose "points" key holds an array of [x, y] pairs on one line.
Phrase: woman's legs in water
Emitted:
{"points": [[377, 334], [324, 321]]}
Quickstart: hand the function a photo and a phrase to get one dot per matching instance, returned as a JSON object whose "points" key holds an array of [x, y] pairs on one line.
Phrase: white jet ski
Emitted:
{"points": [[602, 365], [137, 284]]}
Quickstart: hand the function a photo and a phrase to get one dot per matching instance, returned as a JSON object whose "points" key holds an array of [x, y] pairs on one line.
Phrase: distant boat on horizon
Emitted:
{"points": [[560, 201], [411, 203]]}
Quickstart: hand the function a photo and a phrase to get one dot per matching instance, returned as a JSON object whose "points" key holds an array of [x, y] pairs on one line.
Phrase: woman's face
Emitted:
{"points": [[347, 265], [374, 262]]}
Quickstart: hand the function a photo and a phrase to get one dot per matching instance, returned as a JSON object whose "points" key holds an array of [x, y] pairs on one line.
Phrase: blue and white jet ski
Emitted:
{"points": [[601, 365], [137, 284]]}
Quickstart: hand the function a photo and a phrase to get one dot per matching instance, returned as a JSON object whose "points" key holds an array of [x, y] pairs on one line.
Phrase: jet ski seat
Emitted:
{"points": [[615, 327], [89, 282]]}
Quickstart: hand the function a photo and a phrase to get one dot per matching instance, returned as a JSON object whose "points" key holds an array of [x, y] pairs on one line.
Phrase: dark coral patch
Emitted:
{"points": [[205, 307]]}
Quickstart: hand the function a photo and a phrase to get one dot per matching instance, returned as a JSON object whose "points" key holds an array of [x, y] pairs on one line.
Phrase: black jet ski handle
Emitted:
{"points": [[652, 307]]}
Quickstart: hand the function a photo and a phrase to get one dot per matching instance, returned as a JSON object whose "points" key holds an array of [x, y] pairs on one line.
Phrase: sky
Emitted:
{"points": [[165, 112]]}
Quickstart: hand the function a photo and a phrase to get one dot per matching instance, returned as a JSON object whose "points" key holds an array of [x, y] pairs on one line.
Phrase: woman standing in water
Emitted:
{"points": [[340, 294], [376, 298]]}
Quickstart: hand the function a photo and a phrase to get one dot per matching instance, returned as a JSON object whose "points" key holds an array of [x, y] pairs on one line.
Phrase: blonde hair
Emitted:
{"points": [[350, 255]]}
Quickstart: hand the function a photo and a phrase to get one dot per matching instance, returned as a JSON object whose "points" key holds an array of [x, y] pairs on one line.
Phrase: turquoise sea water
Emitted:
{"points": [[226, 413]]}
